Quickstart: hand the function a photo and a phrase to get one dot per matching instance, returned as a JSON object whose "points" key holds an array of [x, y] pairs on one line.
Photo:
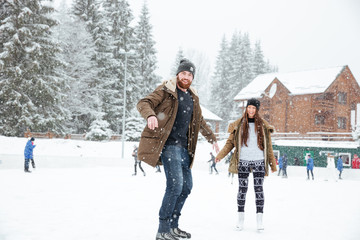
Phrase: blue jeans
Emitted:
{"points": [[176, 164]]}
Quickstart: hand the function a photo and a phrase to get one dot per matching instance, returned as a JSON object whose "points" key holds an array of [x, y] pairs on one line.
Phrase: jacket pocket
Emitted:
{"points": [[234, 165], [148, 133]]}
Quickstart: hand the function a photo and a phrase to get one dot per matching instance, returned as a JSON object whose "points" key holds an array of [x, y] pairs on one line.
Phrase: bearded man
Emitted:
{"points": [[174, 120]]}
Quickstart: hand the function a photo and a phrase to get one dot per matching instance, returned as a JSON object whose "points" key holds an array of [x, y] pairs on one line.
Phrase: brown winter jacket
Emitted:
{"points": [[163, 104], [234, 140]]}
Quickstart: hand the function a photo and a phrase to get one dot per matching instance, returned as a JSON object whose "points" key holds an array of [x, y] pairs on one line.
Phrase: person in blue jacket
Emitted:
{"points": [[340, 166], [28, 153], [309, 166]]}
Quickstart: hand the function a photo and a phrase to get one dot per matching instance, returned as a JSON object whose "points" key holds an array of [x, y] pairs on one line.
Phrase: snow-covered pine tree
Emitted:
{"points": [[5, 12], [134, 126], [241, 61], [99, 130], [241, 70], [221, 84], [246, 62], [259, 64], [271, 68], [86, 11], [237, 64], [80, 70], [121, 42], [236, 76], [179, 56], [146, 79], [98, 27], [4, 8], [31, 94], [144, 75]]}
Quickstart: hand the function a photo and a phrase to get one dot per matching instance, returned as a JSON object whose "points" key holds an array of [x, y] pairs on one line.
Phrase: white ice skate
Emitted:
{"points": [[240, 222], [259, 221]]}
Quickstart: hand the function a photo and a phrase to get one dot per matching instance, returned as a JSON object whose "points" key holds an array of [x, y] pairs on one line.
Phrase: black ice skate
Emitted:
{"points": [[180, 233], [165, 236]]}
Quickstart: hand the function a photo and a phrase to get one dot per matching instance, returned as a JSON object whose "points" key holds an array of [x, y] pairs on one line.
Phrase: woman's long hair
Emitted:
{"points": [[258, 129]]}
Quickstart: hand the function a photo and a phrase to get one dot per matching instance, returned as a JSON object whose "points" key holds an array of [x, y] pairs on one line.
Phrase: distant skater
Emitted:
{"points": [[340, 166], [213, 164], [137, 162], [309, 166], [29, 156]]}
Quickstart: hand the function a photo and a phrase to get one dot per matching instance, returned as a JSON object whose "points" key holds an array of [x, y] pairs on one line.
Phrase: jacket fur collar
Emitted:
{"points": [[171, 85]]}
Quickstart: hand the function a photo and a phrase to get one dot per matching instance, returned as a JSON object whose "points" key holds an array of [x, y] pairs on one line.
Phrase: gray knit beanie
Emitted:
{"points": [[186, 65]]}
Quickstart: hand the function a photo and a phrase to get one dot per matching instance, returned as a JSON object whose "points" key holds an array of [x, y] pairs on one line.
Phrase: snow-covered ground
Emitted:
{"points": [[83, 190]]}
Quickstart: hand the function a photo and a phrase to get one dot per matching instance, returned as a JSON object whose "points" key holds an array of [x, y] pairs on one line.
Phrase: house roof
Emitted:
{"points": [[208, 115], [298, 83]]}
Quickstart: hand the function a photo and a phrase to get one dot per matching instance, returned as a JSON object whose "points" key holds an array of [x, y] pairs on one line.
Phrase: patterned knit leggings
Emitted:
{"points": [[258, 169]]}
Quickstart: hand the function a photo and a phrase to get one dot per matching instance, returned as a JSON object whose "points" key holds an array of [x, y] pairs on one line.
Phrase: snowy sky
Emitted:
{"points": [[295, 35]]}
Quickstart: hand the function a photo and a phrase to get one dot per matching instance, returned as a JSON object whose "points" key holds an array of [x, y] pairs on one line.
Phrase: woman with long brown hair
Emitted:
{"points": [[250, 135]]}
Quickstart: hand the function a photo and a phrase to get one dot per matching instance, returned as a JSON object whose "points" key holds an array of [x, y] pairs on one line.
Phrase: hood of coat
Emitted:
{"points": [[171, 85]]}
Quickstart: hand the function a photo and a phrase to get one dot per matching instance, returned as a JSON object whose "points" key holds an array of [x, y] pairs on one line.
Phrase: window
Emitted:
{"points": [[341, 122], [346, 159], [319, 119], [342, 97]]}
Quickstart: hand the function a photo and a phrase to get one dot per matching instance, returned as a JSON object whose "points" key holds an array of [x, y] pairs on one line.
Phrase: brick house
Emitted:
{"points": [[324, 100], [212, 119]]}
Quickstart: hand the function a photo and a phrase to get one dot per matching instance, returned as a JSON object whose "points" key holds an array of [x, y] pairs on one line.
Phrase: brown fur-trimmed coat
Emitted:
{"points": [[163, 104], [234, 140]]}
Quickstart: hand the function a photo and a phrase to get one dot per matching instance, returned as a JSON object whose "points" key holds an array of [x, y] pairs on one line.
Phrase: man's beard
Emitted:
{"points": [[184, 85]]}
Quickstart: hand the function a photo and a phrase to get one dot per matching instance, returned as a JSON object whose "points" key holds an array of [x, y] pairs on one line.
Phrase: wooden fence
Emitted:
{"points": [[324, 136], [50, 135]]}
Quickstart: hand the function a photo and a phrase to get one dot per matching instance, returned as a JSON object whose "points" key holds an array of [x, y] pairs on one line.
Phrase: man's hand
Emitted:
{"points": [[216, 147], [152, 122], [217, 160]]}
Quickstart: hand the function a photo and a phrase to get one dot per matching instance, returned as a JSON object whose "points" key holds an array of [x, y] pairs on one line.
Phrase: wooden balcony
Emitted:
{"points": [[323, 105], [323, 128], [323, 136]]}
